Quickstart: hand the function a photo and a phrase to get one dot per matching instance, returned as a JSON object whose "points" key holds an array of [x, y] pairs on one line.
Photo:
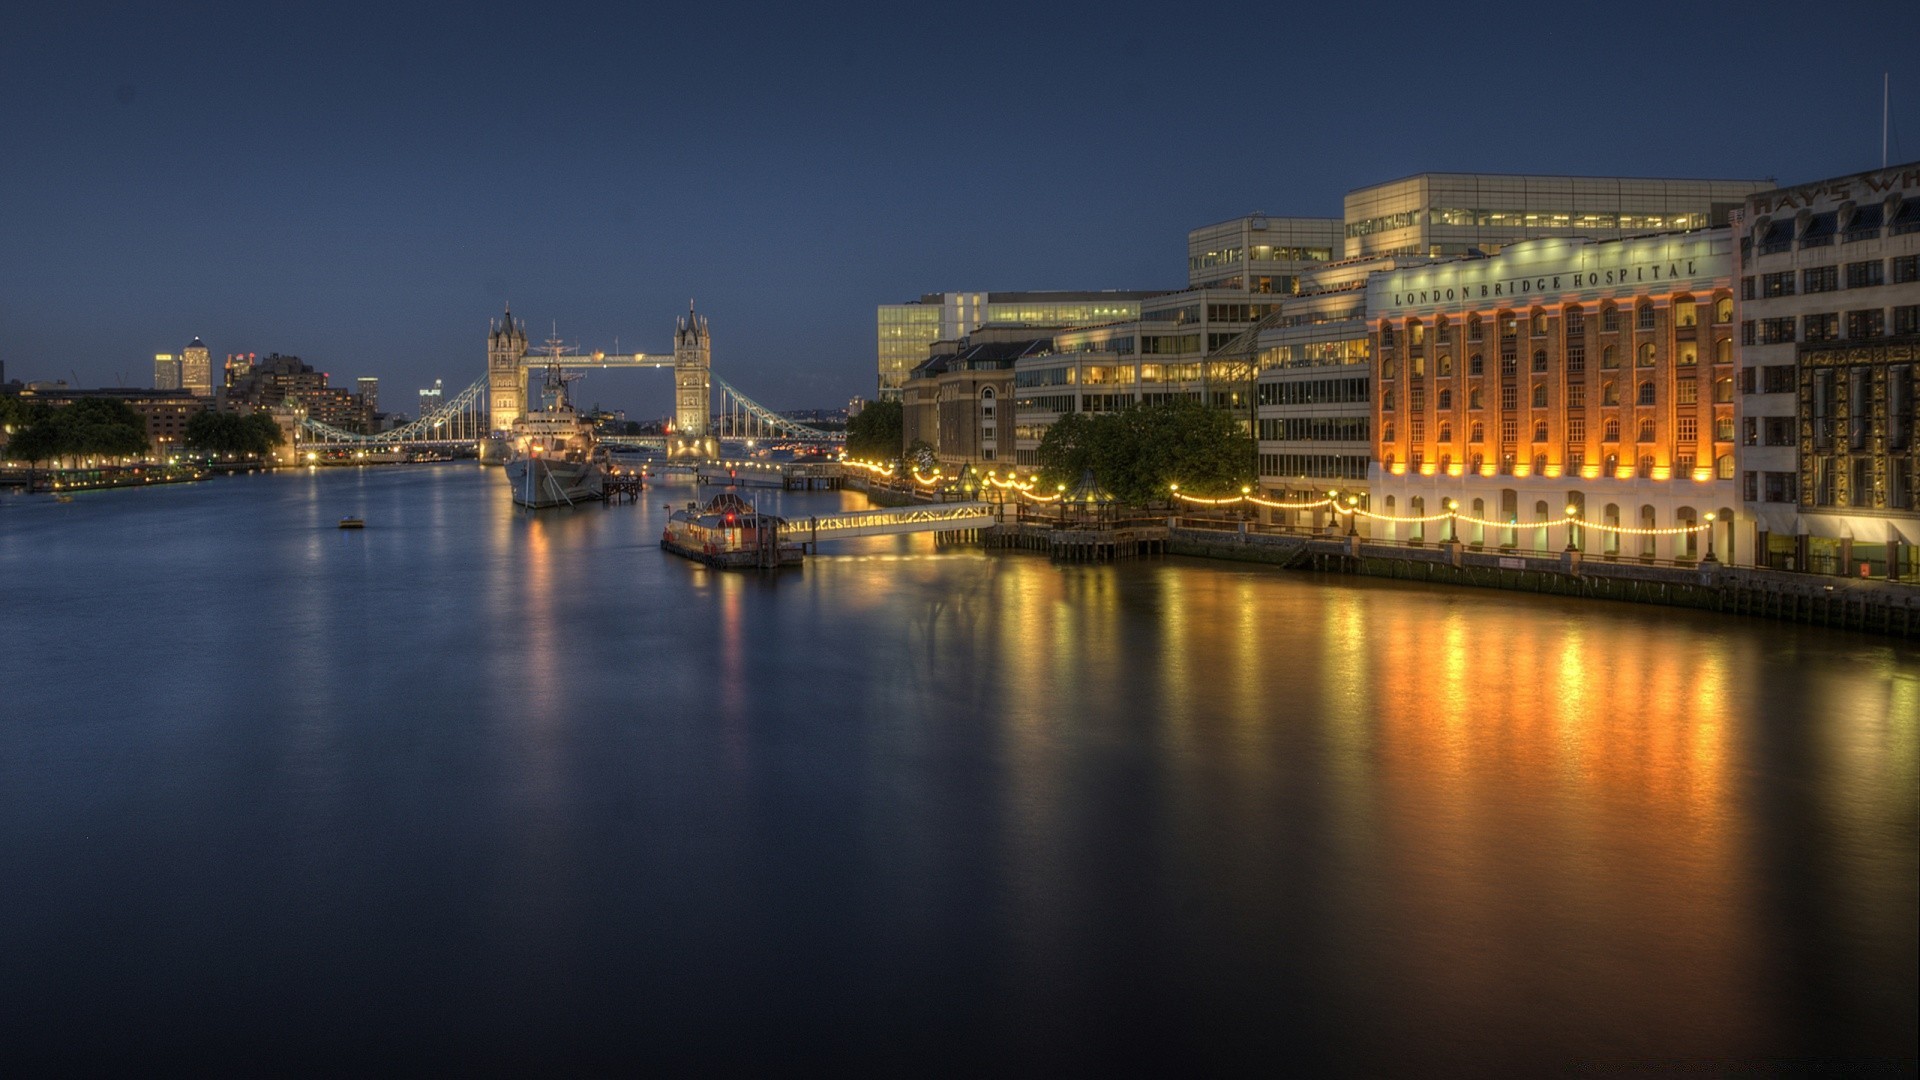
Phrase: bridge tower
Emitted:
{"points": [[506, 379], [692, 388]]}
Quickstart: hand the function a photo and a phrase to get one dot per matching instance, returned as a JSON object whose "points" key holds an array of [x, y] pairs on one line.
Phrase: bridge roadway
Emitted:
{"points": [[891, 521]]}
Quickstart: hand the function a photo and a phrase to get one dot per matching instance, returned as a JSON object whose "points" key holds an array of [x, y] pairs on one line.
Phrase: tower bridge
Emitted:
{"points": [[497, 398]]}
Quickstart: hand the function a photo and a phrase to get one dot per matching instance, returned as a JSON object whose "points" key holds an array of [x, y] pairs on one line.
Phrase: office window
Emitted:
{"points": [[1779, 379], [1687, 391], [1776, 331], [1778, 430], [1577, 429], [1609, 395], [1576, 320], [1746, 288], [1906, 268], [1539, 360], [1539, 431], [1539, 395], [1609, 357], [1780, 284], [1476, 365], [1865, 275], [1610, 431], [1646, 393], [1577, 395], [1646, 354], [1643, 315], [1685, 311], [1871, 323], [1822, 327], [1646, 429], [1687, 428], [1723, 310], [1444, 400], [1477, 433], [1906, 319], [1509, 397], [1576, 356], [1609, 319], [1819, 279]]}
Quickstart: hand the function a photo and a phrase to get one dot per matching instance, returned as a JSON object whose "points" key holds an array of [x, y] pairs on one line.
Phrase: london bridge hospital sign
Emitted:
{"points": [[1554, 269]]}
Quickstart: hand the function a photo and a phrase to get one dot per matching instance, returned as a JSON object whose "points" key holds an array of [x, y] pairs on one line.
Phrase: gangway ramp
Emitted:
{"points": [[892, 521]]}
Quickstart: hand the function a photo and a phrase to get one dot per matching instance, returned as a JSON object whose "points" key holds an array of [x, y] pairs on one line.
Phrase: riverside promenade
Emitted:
{"points": [[1872, 605]]}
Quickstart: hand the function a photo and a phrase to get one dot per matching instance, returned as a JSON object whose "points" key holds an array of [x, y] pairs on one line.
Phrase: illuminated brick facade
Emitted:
{"points": [[1565, 372]]}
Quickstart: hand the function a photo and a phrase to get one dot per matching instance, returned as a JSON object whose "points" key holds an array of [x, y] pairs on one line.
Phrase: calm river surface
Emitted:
{"points": [[479, 788]]}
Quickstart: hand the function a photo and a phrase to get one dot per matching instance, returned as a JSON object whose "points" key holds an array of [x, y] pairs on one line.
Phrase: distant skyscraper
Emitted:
{"points": [[166, 371], [369, 392], [239, 366], [196, 369], [430, 399]]}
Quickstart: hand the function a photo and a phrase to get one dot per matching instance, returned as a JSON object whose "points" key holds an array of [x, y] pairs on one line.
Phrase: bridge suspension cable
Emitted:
{"points": [[463, 419], [741, 417]]}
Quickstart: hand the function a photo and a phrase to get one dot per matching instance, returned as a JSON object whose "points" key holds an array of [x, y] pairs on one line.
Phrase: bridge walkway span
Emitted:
{"points": [[892, 521]]}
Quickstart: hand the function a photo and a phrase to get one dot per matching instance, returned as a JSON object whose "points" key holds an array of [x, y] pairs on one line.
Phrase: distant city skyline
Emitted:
{"points": [[366, 187]]}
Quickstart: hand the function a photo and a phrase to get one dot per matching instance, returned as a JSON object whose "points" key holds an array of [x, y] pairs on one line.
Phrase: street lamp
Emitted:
{"points": [[1353, 515], [1572, 511], [1710, 517], [1452, 507]]}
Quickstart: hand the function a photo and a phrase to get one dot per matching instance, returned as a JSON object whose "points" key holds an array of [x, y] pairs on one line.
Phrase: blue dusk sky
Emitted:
{"points": [[365, 186]]}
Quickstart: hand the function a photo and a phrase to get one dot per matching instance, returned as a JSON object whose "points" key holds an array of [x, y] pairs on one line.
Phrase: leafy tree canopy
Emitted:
{"points": [[875, 434], [90, 427], [231, 433], [1137, 452]]}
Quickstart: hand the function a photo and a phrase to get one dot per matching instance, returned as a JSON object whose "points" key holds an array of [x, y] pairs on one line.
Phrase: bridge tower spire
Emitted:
{"points": [[693, 386], [506, 379]]}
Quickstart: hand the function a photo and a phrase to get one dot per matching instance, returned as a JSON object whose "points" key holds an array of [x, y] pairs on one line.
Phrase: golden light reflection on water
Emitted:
{"points": [[1522, 798]]}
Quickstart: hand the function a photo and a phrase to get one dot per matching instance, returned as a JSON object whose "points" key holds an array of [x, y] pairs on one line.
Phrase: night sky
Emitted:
{"points": [[364, 186]]}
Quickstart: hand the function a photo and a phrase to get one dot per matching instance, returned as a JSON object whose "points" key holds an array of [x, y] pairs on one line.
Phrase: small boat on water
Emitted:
{"points": [[729, 533], [352, 523]]}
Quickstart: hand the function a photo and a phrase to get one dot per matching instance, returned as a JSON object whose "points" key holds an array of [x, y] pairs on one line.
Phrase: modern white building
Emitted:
{"points": [[1829, 313], [1443, 215], [906, 332]]}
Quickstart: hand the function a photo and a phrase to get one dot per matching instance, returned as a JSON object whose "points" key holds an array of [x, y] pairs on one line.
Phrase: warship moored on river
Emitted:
{"points": [[553, 450]]}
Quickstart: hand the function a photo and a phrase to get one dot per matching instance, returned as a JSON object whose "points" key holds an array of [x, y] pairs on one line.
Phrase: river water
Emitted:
{"points": [[505, 791]]}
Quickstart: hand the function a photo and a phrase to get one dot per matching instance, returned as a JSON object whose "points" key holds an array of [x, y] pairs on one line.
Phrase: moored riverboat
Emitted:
{"points": [[729, 533], [554, 463]]}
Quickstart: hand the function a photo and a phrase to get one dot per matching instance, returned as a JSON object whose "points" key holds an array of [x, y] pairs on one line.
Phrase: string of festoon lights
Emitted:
{"points": [[1451, 509], [1573, 518]]}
